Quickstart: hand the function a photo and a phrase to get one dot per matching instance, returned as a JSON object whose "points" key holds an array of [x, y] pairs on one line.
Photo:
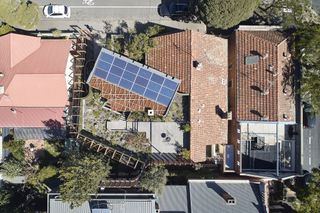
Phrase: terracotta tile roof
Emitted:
{"points": [[123, 100], [29, 117], [34, 73], [259, 92], [172, 56], [208, 96]]}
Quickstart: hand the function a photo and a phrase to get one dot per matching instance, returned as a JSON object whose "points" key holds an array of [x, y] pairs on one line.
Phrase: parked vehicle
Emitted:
{"points": [[56, 11], [180, 10], [309, 116]]}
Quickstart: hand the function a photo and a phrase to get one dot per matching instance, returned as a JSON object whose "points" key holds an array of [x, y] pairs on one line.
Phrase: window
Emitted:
{"points": [[208, 151]]}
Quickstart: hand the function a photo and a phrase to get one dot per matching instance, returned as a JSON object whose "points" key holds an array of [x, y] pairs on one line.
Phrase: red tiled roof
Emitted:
{"points": [[29, 117], [208, 96], [172, 56], [123, 100], [34, 74], [252, 80]]}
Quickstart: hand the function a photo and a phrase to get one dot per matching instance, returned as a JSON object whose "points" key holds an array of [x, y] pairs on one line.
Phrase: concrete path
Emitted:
{"points": [[165, 137]]}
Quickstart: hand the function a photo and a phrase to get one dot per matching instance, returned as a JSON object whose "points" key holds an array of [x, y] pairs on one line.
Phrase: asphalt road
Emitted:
{"points": [[100, 10], [311, 147]]}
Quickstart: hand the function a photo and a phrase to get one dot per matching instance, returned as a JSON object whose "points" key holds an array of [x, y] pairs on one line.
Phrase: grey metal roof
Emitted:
{"points": [[173, 199], [206, 196], [123, 204], [38, 133]]}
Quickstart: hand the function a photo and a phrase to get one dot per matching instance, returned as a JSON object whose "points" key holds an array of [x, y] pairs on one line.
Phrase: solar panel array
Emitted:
{"points": [[135, 77]]}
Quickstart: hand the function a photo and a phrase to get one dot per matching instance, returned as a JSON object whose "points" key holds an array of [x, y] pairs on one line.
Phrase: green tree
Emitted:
{"points": [[16, 148], [310, 200], [307, 51], [5, 196], [141, 43], [4, 29], [225, 14], [36, 180], [12, 168], [154, 179], [22, 14], [81, 175]]}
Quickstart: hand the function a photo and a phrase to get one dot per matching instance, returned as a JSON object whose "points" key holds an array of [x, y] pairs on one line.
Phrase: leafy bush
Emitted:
{"points": [[225, 14], [16, 147], [81, 175], [56, 33], [22, 14], [185, 153], [4, 29], [154, 179], [186, 127], [13, 168], [52, 149], [36, 180]]}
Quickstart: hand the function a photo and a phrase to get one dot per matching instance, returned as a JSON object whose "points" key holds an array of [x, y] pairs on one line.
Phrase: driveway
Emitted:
{"points": [[311, 147], [109, 10]]}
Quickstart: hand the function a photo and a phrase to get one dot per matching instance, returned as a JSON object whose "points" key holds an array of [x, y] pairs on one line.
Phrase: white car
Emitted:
{"points": [[56, 11]]}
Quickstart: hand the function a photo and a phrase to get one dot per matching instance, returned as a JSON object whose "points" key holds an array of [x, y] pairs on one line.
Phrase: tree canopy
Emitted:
{"points": [[310, 202], [225, 14], [307, 48], [13, 167], [21, 14], [81, 175], [154, 179], [16, 148]]}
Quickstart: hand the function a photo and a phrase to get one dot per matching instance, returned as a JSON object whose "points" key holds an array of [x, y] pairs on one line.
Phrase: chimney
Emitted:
{"points": [[1, 89], [198, 65], [228, 198]]}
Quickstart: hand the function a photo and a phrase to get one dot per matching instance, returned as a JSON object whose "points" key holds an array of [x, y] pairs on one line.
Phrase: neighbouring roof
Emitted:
{"points": [[130, 86], [174, 199], [35, 87], [261, 93], [208, 95], [206, 196], [177, 54], [117, 203], [172, 55], [29, 116]]}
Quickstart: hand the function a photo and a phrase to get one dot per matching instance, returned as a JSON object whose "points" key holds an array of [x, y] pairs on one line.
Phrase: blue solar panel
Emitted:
{"points": [[129, 76], [164, 100], [158, 79], [144, 73], [113, 78], [100, 73], [132, 68], [141, 81], [106, 57], [116, 71], [120, 63], [170, 84], [126, 84], [154, 86], [167, 92], [135, 77], [103, 65], [138, 89]]}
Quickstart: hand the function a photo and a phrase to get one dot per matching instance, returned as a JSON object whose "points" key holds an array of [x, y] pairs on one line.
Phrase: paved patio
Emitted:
{"points": [[165, 137]]}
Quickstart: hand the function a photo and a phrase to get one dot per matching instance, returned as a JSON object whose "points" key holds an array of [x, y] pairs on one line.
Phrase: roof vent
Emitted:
{"points": [[228, 198], [266, 90], [1, 74], [252, 59], [285, 117], [198, 65], [1, 89], [150, 112], [272, 70], [13, 110]]}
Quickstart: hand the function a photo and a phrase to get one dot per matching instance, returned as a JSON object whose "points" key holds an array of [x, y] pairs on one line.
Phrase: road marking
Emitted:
{"points": [[310, 161], [309, 140]]}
